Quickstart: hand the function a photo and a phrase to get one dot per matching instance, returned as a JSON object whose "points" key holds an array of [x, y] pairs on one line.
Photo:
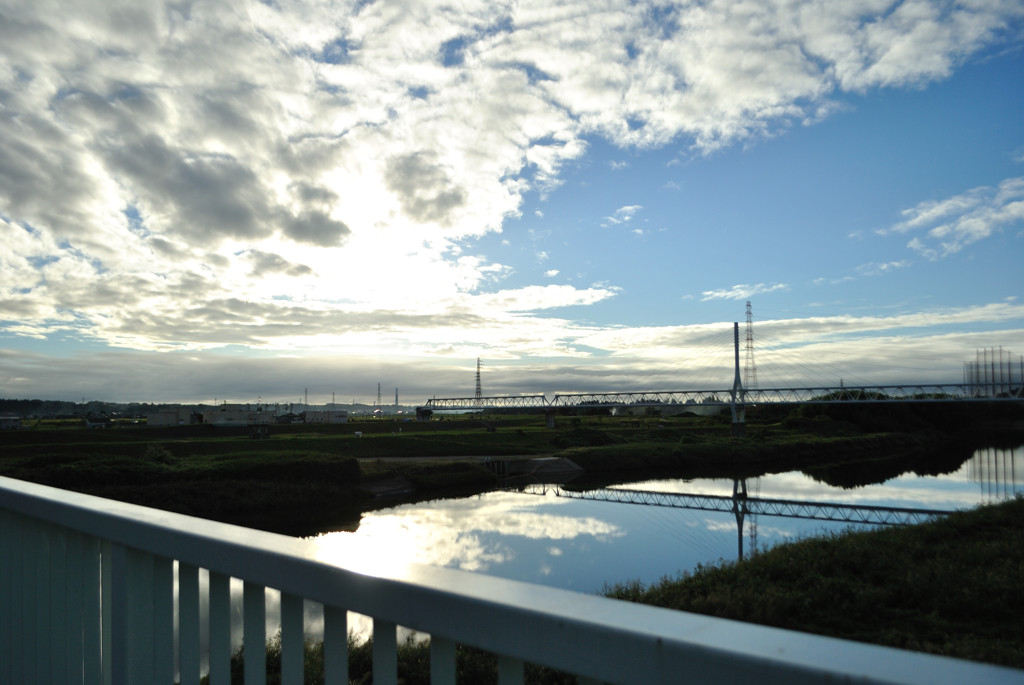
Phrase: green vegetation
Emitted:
{"points": [[473, 666], [948, 587], [305, 479]]}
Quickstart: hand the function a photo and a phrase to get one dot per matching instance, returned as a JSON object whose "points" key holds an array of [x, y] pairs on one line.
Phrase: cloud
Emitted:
{"points": [[307, 176], [622, 215], [527, 356], [952, 224], [742, 291], [425, 191]]}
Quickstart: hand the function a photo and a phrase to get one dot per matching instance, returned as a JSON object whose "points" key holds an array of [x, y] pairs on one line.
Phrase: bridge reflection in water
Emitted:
{"points": [[742, 505]]}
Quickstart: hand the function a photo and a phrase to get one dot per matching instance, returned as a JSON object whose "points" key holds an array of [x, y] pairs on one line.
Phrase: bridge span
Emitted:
{"points": [[727, 397], [979, 386]]}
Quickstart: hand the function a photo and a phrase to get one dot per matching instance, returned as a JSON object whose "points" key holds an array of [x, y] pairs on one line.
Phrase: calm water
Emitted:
{"points": [[584, 545]]}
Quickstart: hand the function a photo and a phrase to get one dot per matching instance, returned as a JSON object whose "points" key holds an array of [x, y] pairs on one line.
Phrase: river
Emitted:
{"points": [[585, 545]]}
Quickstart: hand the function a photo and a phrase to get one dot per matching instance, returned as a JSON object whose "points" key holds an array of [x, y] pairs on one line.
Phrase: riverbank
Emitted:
{"points": [[310, 479], [949, 587]]}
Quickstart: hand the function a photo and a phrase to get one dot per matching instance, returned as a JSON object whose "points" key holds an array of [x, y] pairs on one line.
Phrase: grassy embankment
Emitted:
{"points": [[298, 482], [307, 479]]}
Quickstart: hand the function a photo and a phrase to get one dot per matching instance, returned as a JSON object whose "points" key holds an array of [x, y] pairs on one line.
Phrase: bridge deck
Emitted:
{"points": [[725, 397]]}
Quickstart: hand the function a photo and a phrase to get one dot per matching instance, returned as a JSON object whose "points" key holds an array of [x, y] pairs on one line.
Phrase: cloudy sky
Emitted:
{"points": [[237, 200]]}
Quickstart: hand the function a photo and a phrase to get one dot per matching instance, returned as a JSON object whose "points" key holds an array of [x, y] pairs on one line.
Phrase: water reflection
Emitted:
{"points": [[482, 534], [998, 472], [585, 545]]}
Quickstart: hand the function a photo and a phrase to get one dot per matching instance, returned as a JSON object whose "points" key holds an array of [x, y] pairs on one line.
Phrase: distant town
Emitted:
{"points": [[96, 414]]}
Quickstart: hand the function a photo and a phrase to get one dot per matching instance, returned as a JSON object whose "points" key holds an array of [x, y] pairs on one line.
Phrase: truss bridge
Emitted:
{"points": [[982, 384], [741, 503]]}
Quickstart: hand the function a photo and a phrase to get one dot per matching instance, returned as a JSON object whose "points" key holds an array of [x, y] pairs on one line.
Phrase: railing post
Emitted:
{"points": [[188, 624], [442, 661], [92, 619], [163, 620], [292, 639], [131, 616], [8, 557], [335, 646], [510, 671], [32, 618], [57, 629], [254, 630], [74, 594], [385, 652], [220, 629]]}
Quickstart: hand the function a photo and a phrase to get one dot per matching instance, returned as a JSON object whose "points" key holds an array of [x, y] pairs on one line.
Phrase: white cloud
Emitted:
{"points": [[742, 291], [951, 224], [876, 269], [531, 355], [308, 174], [622, 215]]}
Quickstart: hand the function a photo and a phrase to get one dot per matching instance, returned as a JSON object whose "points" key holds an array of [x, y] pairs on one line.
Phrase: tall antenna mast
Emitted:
{"points": [[379, 407], [750, 368], [479, 388]]}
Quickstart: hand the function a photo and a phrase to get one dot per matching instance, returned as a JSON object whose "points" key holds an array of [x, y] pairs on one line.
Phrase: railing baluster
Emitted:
{"points": [[74, 595], [254, 629], [292, 639], [131, 615], [92, 621], [385, 652], [188, 624], [510, 671], [442, 661], [106, 612], [31, 619], [163, 620], [8, 557], [57, 668], [335, 646], [220, 629]]}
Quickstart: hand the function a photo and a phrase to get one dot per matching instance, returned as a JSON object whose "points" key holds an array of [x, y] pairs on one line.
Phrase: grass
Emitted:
{"points": [[307, 479], [949, 587]]}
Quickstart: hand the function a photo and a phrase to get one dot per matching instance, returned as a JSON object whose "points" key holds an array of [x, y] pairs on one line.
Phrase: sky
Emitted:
{"points": [[242, 201]]}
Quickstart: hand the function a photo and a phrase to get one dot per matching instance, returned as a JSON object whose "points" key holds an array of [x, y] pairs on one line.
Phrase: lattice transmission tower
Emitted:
{"points": [[479, 388], [749, 367]]}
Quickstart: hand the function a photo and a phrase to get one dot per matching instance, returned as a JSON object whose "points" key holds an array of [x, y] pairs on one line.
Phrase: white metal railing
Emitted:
{"points": [[87, 595]]}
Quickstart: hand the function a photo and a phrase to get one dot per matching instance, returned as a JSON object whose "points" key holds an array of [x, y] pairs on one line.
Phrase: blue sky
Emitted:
{"points": [[236, 200]]}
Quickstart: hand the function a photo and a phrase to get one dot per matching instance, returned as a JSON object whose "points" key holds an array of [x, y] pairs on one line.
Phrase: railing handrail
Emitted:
{"points": [[591, 636]]}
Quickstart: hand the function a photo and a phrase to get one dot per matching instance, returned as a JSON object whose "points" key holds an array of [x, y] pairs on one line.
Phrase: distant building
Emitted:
{"points": [[238, 415], [327, 416], [10, 422], [182, 416]]}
